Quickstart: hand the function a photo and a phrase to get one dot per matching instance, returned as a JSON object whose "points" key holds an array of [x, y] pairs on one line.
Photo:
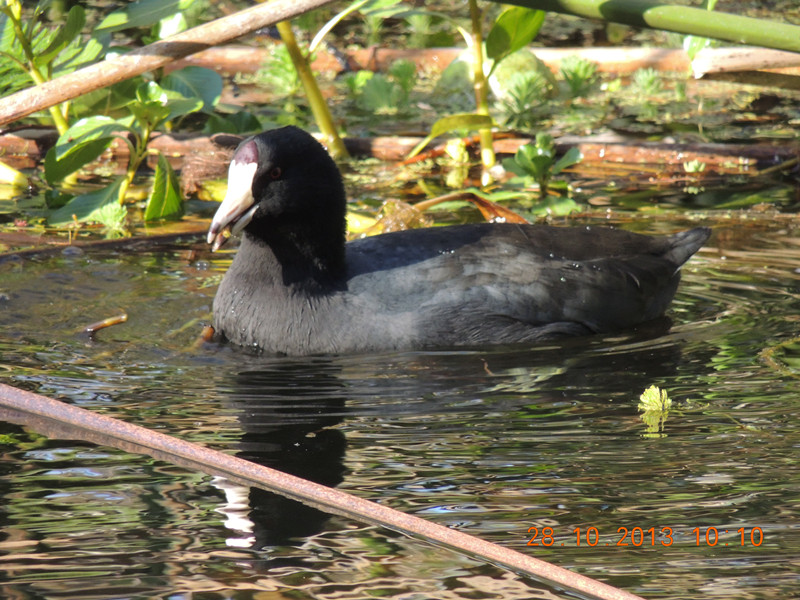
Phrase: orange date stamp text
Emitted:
{"points": [[639, 537]]}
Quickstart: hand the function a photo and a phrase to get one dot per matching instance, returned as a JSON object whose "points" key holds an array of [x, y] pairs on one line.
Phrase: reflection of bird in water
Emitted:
{"points": [[284, 411]]}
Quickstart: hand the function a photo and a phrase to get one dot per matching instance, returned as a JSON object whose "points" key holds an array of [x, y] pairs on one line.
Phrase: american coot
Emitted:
{"points": [[296, 287]]}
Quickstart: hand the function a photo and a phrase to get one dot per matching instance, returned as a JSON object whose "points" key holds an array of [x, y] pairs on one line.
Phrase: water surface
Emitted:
{"points": [[492, 442]]}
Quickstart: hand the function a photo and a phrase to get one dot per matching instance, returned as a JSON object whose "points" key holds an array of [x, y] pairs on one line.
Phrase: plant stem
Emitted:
{"points": [[138, 153], [319, 108], [681, 19], [481, 86], [13, 13]]}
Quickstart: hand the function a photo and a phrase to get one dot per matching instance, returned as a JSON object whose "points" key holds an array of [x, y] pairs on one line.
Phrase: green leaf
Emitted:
{"points": [[76, 19], [239, 122], [515, 28], [101, 206], [78, 55], [156, 105], [86, 130], [143, 13], [444, 125], [79, 145], [196, 82], [57, 169], [165, 200], [571, 157]]}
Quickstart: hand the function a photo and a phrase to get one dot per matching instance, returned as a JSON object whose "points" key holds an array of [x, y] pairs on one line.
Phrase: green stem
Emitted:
{"points": [[13, 12], [138, 153], [481, 86], [681, 19], [319, 108]]}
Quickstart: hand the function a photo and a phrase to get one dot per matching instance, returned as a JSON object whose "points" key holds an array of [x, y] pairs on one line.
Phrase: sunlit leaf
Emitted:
{"points": [[571, 157], [143, 13], [77, 55], [79, 145], [156, 104], [165, 200], [84, 131], [65, 34], [196, 82], [57, 169], [91, 208], [515, 28], [471, 121]]}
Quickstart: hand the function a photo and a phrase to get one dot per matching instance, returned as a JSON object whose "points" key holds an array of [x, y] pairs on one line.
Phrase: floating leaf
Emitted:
{"points": [[165, 200], [654, 403]]}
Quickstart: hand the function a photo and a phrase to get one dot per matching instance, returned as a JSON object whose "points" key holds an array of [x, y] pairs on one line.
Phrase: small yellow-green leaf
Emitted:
{"points": [[444, 125], [654, 399]]}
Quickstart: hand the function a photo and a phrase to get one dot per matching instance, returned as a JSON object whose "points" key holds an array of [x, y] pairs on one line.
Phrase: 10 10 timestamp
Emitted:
{"points": [[652, 536]]}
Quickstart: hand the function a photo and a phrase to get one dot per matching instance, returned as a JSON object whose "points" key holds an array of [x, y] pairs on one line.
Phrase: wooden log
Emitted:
{"points": [[153, 56], [229, 60], [725, 60]]}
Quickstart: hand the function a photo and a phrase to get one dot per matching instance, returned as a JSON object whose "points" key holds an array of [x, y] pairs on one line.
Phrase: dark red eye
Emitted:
{"points": [[276, 173]]}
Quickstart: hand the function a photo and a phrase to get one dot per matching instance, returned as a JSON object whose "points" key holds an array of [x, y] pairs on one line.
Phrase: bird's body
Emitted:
{"points": [[295, 287]]}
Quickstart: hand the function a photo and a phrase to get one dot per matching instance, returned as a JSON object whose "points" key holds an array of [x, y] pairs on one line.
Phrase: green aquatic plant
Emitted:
{"points": [[579, 74], [525, 91], [538, 162], [152, 106], [647, 82], [30, 52], [376, 93]]}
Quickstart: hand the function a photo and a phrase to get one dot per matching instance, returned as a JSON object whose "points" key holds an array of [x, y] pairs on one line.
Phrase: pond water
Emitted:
{"points": [[492, 442]]}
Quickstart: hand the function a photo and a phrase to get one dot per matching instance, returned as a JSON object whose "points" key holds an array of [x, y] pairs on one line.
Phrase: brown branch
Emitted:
{"points": [[154, 56]]}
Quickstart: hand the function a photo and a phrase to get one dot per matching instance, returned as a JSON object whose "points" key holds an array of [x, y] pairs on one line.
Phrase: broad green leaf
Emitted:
{"points": [[196, 82], [156, 105], [90, 208], [172, 25], [79, 145], [444, 125], [108, 100], [57, 169], [165, 201], [84, 131], [143, 13], [514, 29]]}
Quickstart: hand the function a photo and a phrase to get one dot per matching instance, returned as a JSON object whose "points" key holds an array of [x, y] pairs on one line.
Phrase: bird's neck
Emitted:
{"points": [[298, 259]]}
